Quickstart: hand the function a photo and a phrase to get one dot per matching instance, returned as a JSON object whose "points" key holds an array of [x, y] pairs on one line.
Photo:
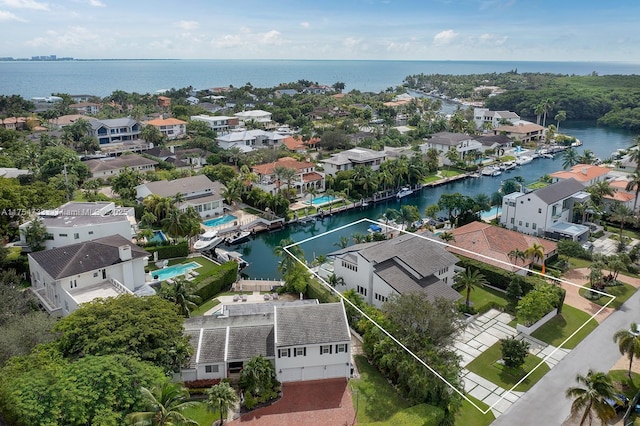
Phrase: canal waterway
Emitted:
{"points": [[263, 263]]}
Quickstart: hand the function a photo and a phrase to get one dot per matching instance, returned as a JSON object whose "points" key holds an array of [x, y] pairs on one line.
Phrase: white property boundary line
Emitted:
{"points": [[333, 290]]}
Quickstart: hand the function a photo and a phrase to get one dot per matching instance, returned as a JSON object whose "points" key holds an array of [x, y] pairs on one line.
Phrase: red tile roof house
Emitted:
{"points": [[172, 128], [306, 177], [587, 174], [492, 244], [296, 144]]}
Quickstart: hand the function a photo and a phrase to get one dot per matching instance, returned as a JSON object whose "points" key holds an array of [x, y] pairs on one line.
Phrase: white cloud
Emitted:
{"points": [[71, 37], [271, 37], [351, 42], [248, 38], [305, 25], [492, 39], [188, 25], [97, 3], [444, 37], [398, 47], [8, 16], [24, 4]]}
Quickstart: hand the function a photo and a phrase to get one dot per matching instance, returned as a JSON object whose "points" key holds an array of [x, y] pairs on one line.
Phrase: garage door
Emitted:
{"points": [[337, 370], [290, 375], [313, 373]]}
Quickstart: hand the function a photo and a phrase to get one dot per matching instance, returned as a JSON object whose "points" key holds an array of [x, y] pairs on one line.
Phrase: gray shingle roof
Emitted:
{"points": [[212, 345], [403, 283], [84, 257], [311, 324], [113, 163], [186, 185], [559, 190], [247, 342], [448, 138]]}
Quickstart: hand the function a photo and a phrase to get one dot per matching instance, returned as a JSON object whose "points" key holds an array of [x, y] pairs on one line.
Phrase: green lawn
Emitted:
{"points": [[471, 416], [431, 178], [379, 404], [620, 379], [201, 415], [621, 292], [450, 173], [205, 307], [487, 366], [562, 326], [484, 296], [575, 263]]}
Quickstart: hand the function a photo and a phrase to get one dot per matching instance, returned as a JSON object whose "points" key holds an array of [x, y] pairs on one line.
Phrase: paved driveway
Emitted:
{"points": [[319, 402]]}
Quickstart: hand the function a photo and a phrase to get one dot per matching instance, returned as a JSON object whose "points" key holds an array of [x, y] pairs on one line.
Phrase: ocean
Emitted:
{"points": [[103, 77]]}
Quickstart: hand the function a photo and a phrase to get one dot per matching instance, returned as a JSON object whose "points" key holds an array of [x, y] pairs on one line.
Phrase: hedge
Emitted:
{"points": [[218, 280], [499, 277], [316, 290], [170, 251]]}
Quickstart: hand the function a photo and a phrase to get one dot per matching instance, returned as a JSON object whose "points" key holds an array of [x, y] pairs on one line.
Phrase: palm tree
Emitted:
{"points": [[536, 252], [569, 158], [221, 397], [408, 214], [287, 260], [181, 294], [592, 398], [598, 190], [166, 401], [334, 280], [547, 105], [447, 236], [620, 213], [516, 254], [232, 193], [538, 111], [587, 157], [468, 279], [634, 185], [560, 116], [629, 343], [343, 242], [175, 223]]}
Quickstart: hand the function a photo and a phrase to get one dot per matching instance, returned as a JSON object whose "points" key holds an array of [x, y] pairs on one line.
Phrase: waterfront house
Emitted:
{"points": [[115, 131], [587, 174], [492, 119], [444, 141], [546, 212], [65, 277], [493, 245], [620, 194], [257, 116], [303, 340], [305, 176], [523, 132], [87, 108], [221, 124], [249, 140], [403, 264], [108, 167], [171, 128], [197, 191], [349, 159], [76, 222]]}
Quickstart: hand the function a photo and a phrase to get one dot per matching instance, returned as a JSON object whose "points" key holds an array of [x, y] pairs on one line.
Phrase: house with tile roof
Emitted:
{"points": [[249, 140], [76, 222], [444, 141], [587, 174], [405, 264], [63, 278], [303, 339], [108, 167], [172, 128], [196, 191], [349, 159], [306, 176], [484, 116], [621, 194], [87, 108], [546, 212], [524, 132], [492, 244]]}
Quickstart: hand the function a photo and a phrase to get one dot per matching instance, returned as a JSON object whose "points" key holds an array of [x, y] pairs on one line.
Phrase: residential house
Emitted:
{"points": [[172, 128], [493, 245], [196, 191], [87, 108], [258, 116], [485, 118], [65, 120], [164, 102], [349, 159], [587, 174], [248, 140], [285, 92], [620, 194], [303, 340], [445, 141], [317, 89], [192, 100], [221, 124], [521, 132], [546, 212], [499, 143], [63, 278], [404, 264], [112, 166], [305, 177], [77, 222], [296, 144], [83, 98], [116, 130]]}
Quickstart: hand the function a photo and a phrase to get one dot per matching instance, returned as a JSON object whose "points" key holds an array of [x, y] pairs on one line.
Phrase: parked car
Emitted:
{"points": [[619, 402]]}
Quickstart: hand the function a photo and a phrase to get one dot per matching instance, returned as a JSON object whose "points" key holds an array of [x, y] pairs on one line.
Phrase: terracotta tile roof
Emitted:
{"points": [[288, 162], [293, 143], [311, 177], [521, 128], [166, 122], [495, 243], [620, 196], [582, 172]]}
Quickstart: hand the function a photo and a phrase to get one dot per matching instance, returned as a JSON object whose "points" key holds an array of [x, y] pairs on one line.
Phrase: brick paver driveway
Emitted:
{"points": [[320, 402]]}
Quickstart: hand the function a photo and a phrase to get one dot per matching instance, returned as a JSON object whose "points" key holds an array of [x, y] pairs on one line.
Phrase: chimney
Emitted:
{"points": [[584, 171], [124, 252]]}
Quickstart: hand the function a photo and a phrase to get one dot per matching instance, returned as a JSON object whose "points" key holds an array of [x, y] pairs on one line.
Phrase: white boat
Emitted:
{"points": [[547, 155], [490, 171], [578, 142], [508, 165], [523, 159], [207, 241], [404, 191], [237, 238], [224, 256]]}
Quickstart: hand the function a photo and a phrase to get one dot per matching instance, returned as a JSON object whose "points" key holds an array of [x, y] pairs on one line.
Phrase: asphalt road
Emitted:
{"points": [[546, 404]]}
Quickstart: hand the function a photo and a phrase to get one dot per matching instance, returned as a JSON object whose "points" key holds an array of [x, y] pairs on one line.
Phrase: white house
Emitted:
{"points": [[403, 264], [77, 222], [112, 166], [304, 340], [492, 119], [172, 128], [547, 212], [197, 191], [219, 123], [444, 141], [305, 176], [257, 116], [248, 140], [65, 277], [116, 130], [347, 160], [521, 131]]}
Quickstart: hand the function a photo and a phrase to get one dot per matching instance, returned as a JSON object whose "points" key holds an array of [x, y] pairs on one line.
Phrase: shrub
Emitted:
{"points": [[217, 281], [498, 277], [514, 352], [538, 302], [170, 251]]}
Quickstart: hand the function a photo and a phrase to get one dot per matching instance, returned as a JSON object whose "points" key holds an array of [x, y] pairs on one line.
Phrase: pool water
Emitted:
{"points": [[322, 200], [158, 237], [491, 214], [220, 220], [174, 271]]}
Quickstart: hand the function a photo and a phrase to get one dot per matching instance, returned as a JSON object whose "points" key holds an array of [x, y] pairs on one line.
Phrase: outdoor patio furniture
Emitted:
{"points": [[275, 296], [236, 297], [244, 297], [266, 297], [194, 273]]}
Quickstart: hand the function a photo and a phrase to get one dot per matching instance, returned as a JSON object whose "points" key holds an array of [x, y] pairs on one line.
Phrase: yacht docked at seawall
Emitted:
{"points": [[491, 171], [404, 191], [523, 159], [207, 241]]}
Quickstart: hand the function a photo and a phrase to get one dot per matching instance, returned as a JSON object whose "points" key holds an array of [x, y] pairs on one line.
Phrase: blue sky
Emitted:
{"points": [[537, 30]]}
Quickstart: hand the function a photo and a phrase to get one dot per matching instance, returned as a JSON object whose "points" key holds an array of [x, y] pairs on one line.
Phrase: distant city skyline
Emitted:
{"points": [[524, 30]]}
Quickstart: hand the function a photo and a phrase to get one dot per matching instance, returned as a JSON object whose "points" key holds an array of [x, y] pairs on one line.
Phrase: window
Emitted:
{"points": [[539, 210], [325, 349], [95, 275], [379, 297], [284, 353], [349, 266], [76, 236], [341, 348], [210, 368], [526, 225], [361, 290], [534, 226], [300, 352], [90, 232], [512, 220], [520, 222], [62, 235]]}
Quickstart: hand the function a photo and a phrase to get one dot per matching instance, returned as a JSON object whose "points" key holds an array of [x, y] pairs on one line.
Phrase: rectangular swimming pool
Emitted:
{"points": [[220, 220], [174, 271], [321, 200], [158, 237]]}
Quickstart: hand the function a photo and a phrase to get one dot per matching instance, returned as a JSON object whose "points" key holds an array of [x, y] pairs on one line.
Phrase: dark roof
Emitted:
{"points": [[559, 190], [311, 324], [402, 282], [247, 342], [212, 345], [448, 138], [113, 163], [491, 139], [84, 257]]}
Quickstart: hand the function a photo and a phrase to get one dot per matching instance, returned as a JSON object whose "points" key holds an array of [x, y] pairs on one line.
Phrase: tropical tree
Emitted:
{"points": [[258, 379], [35, 234], [408, 214], [587, 157], [620, 213], [165, 403], [560, 116], [591, 397], [538, 111], [516, 254], [628, 343], [598, 191], [468, 279], [547, 106], [175, 223], [343, 242], [536, 252], [287, 261], [335, 280], [181, 294], [447, 236], [569, 158], [125, 184], [634, 185], [221, 397], [232, 193]]}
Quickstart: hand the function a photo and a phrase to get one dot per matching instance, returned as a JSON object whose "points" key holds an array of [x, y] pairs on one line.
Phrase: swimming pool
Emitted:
{"points": [[321, 200], [174, 271], [158, 237], [491, 214], [220, 220]]}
